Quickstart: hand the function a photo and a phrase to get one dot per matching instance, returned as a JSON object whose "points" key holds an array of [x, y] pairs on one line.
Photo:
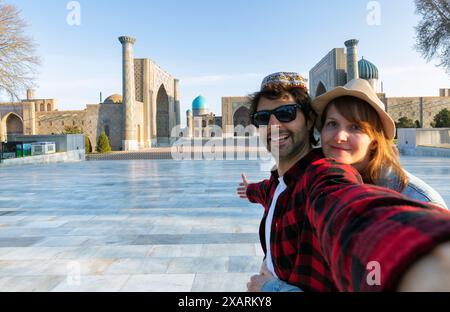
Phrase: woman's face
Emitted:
{"points": [[345, 141]]}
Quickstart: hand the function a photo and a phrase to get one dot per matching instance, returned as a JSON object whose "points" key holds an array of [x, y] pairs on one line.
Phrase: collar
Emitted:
{"points": [[296, 172]]}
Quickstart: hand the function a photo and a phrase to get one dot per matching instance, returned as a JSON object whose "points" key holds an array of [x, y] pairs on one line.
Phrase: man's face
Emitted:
{"points": [[284, 140]]}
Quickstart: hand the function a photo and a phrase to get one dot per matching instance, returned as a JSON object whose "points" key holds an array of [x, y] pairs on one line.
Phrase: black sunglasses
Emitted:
{"points": [[285, 113]]}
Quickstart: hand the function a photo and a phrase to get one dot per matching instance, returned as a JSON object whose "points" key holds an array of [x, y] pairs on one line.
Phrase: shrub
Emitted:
{"points": [[87, 145], [103, 145]]}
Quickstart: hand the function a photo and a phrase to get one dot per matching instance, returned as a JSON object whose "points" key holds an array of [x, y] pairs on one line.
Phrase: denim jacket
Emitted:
{"points": [[415, 189]]}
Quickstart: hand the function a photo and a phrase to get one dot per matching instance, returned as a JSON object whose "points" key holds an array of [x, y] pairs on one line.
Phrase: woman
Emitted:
{"points": [[356, 130]]}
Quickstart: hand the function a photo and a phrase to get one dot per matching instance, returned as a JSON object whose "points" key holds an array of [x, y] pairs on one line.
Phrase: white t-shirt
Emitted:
{"points": [[280, 189]]}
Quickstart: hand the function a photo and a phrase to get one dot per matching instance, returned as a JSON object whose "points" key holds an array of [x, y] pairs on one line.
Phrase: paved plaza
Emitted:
{"points": [[139, 225]]}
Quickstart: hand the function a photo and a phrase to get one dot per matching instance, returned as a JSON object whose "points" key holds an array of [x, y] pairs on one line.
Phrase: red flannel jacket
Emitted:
{"points": [[328, 226]]}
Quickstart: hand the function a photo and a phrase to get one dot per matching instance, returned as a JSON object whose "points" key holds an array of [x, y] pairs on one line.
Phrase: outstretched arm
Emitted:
{"points": [[259, 192], [431, 273], [366, 230]]}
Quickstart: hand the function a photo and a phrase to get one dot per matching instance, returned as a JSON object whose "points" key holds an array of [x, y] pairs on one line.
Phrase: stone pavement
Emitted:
{"points": [[139, 225], [128, 226]]}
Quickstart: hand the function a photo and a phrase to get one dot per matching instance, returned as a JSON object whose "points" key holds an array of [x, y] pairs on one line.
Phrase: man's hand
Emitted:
{"points": [[257, 281], [431, 273], [264, 270], [242, 188]]}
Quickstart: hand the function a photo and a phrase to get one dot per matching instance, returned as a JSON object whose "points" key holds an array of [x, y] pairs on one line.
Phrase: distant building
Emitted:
{"points": [[142, 118], [200, 122], [235, 112], [340, 66]]}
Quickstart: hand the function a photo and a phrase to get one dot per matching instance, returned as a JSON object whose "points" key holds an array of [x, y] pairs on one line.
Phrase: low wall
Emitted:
{"points": [[424, 151], [63, 142], [241, 141], [423, 137], [71, 156]]}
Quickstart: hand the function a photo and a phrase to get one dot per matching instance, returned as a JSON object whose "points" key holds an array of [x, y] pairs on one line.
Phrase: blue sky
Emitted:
{"points": [[219, 48]]}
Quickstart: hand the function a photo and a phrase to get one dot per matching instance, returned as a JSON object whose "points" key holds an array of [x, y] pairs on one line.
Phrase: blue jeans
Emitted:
{"points": [[276, 285]]}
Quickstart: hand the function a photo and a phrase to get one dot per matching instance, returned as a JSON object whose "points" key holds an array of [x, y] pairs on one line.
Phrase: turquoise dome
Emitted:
{"points": [[189, 111], [367, 70], [199, 103]]}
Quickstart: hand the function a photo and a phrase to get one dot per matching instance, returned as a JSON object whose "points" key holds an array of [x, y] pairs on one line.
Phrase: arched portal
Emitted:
{"points": [[11, 124], [14, 125], [107, 131], [320, 89], [241, 117], [162, 116]]}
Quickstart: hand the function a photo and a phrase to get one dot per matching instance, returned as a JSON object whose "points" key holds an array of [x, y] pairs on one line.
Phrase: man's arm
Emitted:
{"points": [[431, 273], [258, 192], [367, 231]]}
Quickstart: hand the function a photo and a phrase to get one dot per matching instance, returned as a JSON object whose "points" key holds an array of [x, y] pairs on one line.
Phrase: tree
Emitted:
{"points": [[18, 63], [405, 122], [87, 144], [103, 143], [442, 119], [418, 125], [433, 31]]}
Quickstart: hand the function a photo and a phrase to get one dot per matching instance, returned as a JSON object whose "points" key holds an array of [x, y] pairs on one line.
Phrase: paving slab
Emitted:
{"points": [[140, 225]]}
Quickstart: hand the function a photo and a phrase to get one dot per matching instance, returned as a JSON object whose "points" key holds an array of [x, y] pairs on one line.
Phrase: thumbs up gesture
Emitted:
{"points": [[242, 188]]}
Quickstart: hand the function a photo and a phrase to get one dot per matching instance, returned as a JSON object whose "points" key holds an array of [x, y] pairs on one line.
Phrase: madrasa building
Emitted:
{"points": [[150, 106], [336, 68], [142, 118], [341, 65], [200, 122]]}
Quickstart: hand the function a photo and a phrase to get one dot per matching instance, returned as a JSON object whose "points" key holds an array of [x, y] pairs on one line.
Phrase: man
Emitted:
{"points": [[323, 230]]}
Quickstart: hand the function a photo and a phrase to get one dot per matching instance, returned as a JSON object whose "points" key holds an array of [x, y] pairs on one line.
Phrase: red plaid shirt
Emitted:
{"points": [[328, 226]]}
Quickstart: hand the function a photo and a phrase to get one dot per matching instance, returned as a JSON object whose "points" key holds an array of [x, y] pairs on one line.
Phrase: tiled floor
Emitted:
{"points": [[150, 225]]}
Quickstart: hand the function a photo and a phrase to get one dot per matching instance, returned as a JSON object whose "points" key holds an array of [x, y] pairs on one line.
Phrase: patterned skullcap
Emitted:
{"points": [[288, 79]]}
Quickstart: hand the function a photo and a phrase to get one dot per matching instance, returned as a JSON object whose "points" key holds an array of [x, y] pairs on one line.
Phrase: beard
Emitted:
{"points": [[285, 145]]}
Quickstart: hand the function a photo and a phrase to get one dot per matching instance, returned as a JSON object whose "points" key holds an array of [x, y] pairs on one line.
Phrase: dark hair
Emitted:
{"points": [[276, 92]]}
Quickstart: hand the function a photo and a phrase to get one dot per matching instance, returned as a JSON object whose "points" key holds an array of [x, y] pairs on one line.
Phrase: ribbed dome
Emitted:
{"points": [[113, 99], [367, 70], [199, 103]]}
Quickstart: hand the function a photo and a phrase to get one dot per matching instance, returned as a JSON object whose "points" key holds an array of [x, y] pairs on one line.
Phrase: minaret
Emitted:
{"points": [[129, 142], [352, 59], [190, 123], [176, 88], [30, 94]]}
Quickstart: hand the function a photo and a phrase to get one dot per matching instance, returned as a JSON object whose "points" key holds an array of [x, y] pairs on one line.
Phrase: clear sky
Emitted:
{"points": [[219, 48]]}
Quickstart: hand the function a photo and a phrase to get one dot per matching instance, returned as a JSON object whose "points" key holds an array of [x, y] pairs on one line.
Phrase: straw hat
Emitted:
{"points": [[361, 89]]}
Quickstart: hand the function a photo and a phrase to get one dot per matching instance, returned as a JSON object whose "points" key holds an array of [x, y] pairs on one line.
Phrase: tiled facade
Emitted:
{"points": [[148, 112], [235, 111], [332, 71]]}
